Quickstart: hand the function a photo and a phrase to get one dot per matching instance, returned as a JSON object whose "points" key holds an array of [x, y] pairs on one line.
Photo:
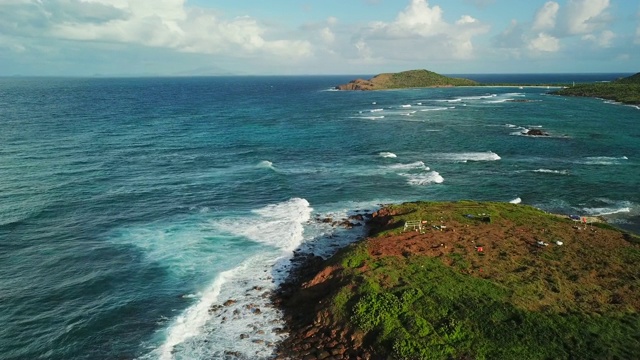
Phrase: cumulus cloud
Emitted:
{"points": [[586, 16], [420, 31], [544, 43], [603, 39], [545, 18], [153, 23]]}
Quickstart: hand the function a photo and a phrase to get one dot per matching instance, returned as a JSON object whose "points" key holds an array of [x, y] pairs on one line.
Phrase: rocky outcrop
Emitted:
{"points": [[358, 84], [536, 132]]}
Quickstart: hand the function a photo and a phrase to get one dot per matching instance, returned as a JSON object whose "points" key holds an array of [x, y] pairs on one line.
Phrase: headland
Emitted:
{"points": [[467, 280]]}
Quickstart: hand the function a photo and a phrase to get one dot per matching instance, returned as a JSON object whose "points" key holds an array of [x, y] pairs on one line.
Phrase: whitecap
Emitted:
{"points": [[368, 117], [432, 177], [386, 154], [265, 164], [516, 201], [549, 171]]}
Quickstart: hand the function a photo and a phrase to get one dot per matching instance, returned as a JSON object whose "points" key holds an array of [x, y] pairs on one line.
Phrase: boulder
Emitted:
{"points": [[536, 132]]}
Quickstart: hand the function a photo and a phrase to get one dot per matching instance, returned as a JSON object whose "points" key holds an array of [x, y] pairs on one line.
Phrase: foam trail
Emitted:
{"points": [[604, 160], [470, 156], [437, 109], [549, 171], [516, 201], [386, 154], [414, 165]]}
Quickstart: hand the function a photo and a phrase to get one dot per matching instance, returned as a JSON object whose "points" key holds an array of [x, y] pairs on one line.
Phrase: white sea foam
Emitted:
{"points": [[606, 207], [437, 108], [498, 101], [376, 110], [480, 97], [469, 156], [432, 177], [208, 328], [516, 201], [420, 165], [549, 171], [405, 106], [604, 160], [368, 117], [449, 100], [386, 154], [266, 164]]}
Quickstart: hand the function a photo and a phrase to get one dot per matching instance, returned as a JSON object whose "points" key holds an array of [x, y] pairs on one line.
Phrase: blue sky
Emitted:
{"points": [[254, 37]]}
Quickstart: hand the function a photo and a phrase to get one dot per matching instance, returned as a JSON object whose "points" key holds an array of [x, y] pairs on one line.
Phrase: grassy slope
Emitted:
{"points": [[418, 306], [418, 78], [625, 90], [410, 79]]}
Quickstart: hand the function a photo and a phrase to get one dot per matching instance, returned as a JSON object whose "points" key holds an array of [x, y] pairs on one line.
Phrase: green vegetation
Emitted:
{"points": [[625, 90], [555, 302], [406, 79], [424, 78]]}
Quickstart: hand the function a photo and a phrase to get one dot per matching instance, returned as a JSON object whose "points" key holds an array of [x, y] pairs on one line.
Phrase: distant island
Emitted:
{"points": [[406, 79], [625, 90], [469, 280]]}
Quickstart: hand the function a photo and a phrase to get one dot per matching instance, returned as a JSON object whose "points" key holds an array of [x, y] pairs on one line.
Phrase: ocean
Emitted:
{"points": [[149, 218]]}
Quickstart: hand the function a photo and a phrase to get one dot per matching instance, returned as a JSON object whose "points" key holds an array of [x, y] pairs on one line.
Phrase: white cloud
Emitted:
{"points": [[602, 40], [585, 16], [545, 18], [327, 35], [167, 24], [544, 43], [421, 32]]}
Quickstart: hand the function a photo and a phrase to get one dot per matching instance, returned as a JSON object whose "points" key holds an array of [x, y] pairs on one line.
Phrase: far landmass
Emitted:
{"points": [[469, 280], [625, 90], [406, 79]]}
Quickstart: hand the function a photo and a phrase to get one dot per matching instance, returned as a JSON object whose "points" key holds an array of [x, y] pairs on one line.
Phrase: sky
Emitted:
{"points": [[316, 37]]}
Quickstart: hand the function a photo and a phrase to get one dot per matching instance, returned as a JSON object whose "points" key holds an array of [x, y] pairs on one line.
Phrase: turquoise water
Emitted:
{"points": [[130, 207]]}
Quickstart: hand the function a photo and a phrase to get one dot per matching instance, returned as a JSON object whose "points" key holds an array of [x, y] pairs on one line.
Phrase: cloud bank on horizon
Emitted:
{"points": [[202, 37]]}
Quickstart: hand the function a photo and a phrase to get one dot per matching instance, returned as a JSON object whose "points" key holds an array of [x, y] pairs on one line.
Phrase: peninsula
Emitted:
{"points": [[406, 79], [469, 280], [625, 90]]}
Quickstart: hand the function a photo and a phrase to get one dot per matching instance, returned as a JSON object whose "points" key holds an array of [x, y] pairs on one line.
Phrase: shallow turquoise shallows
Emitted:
{"points": [[150, 218]]}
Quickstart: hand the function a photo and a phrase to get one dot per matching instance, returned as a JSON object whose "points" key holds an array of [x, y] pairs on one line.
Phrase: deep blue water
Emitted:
{"points": [[130, 207]]}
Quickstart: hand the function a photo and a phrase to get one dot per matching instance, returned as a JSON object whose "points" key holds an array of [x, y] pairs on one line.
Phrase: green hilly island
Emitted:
{"points": [[469, 280], [625, 90], [405, 79]]}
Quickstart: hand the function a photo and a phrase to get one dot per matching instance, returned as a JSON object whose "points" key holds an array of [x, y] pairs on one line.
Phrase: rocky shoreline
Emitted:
{"points": [[313, 332]]}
